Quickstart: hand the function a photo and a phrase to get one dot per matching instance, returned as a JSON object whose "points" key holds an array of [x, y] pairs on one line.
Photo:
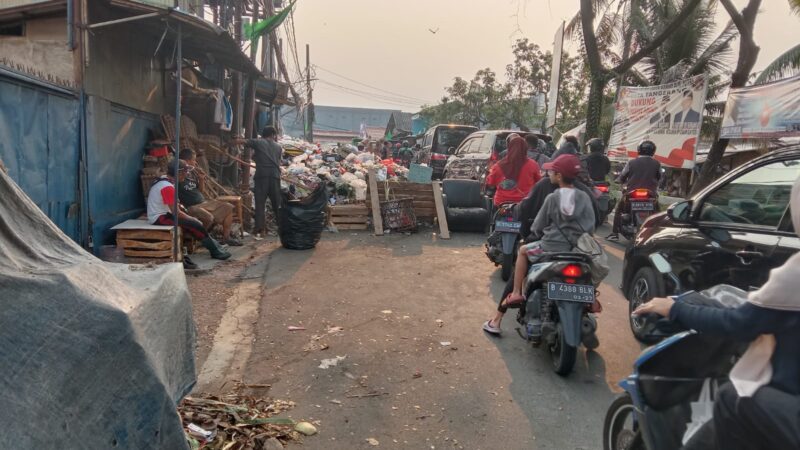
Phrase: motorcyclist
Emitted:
{"points": [[535, 151], [514, 175], [406, 154], [760, 409], [643, 172], [596, 162], [566, 212]]}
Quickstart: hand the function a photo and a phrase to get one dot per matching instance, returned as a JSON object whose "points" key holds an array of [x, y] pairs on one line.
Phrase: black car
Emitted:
{"points": [[480, 150], [440, 141], [734, 232]]}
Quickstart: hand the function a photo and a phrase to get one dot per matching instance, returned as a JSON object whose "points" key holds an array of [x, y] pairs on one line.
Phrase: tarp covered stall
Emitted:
{"points": [[92, 354]]}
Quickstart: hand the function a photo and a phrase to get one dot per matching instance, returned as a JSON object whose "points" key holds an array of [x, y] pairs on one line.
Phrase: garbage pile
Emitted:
{"points": [[239, 422]]}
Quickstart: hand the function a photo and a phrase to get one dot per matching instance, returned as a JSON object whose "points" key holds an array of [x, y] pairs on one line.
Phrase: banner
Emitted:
{"points": [[670, 115], [555, 77], [766, 111]]}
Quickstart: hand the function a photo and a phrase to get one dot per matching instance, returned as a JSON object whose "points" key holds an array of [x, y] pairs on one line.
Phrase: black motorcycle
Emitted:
{"points": [[504, 237]]}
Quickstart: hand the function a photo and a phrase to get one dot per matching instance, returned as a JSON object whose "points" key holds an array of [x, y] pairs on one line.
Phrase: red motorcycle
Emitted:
{"points": [[639, 205]]}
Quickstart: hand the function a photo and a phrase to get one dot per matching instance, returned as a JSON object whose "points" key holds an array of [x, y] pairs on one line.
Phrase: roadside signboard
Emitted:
{"points": [[766, 111]]}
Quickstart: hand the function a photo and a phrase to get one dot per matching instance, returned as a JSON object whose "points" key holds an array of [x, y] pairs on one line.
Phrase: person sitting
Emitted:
{"points": [[515, 174], [209, 212], [566, 214], [160, 206]]}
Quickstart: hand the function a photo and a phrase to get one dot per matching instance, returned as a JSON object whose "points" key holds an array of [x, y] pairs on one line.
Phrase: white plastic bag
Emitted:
{"points": [[702, 411]]}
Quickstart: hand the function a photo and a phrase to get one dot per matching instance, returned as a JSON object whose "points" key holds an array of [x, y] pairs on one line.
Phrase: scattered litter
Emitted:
{"points": [[445, 343], [294, 328], [439, 323], [332, 330], [336, 402], [417, 374], [201, 433], [386, 311], [373, 442], [315, 346], [305, 428], [331, 362]]}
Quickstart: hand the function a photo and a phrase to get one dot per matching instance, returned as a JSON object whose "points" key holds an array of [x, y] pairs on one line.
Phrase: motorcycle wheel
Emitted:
{"points": [[619, 433], [562, 354], [508, 266], [643, 288]]}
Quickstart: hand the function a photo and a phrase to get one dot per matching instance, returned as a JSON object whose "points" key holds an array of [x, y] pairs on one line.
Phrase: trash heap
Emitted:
{"points": [[342, 168]]}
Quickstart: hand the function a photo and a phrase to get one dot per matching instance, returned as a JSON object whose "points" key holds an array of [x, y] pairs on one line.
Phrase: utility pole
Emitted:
{"points": [[310, 114]]}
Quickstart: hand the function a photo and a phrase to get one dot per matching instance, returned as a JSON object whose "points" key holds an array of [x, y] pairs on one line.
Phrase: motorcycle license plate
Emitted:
{"points": [[570, 292], [642, 206], [502, 225]]}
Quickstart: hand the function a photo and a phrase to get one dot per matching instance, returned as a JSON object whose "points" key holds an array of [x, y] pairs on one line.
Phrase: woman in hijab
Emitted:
{"points": [[760, 409], [515, 174]]}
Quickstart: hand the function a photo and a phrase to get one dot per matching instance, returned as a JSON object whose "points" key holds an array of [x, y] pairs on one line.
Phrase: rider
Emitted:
{"points": [[535, 151], [640, 173], [406, 154], [761, 408], [566, 214], [514, 175], [597, 162]]}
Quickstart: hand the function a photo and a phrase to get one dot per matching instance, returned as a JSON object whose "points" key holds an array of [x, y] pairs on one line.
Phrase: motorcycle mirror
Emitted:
{"points": [[660, 263]]}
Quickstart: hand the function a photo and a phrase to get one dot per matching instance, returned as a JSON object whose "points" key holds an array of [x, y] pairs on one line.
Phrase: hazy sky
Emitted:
{"points": [[387, 44]]}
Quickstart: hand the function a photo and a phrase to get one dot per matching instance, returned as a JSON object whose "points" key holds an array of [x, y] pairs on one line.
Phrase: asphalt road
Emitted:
{"points": [[415, 370]]}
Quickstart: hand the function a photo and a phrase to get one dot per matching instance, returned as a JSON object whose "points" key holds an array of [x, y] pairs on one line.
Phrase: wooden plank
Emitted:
{"points": [[377, 222], [159, 235], [143, 245], [444, 232], [357, 211], [352, 226], [349, 219], [149, 253], [410, 187]]}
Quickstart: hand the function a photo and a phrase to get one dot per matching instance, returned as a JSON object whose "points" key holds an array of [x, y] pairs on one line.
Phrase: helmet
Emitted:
{"points": [[596, 145], [647, 148], [405, 143]]}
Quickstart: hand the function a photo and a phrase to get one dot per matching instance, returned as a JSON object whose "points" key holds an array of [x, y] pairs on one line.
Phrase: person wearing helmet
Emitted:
{"points": [[406, 154], [643, 172], [596, 162]]}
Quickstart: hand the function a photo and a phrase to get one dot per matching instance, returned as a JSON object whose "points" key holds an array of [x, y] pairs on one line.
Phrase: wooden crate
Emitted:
{"points": [[424, 204], [144, 243], [350, 217]]}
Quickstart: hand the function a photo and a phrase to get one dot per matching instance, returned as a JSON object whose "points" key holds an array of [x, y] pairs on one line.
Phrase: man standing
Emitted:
{"points": [[386, 150], [209, 212], [267, 156], [406, 154]]}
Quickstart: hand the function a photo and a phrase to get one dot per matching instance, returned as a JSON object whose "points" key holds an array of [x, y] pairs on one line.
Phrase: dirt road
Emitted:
{"points": [[398, 320]]}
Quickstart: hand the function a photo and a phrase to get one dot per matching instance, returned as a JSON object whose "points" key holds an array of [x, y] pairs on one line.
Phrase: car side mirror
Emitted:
{"points": [[680, 212], [451, 150]]}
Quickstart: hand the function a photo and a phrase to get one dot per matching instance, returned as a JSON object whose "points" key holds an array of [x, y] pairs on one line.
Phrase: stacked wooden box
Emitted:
{"points": [[138, 239], [350, 217]]}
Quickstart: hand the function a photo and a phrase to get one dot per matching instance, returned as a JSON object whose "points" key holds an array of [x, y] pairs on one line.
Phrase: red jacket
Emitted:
{"points": [[528, 176]]}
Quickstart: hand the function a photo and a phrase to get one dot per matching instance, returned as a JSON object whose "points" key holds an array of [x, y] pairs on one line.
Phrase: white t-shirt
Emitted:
{"points": [[159, 199]]}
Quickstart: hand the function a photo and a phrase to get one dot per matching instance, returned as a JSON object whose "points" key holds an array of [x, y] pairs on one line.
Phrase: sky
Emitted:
{"points": [[383, 53]]}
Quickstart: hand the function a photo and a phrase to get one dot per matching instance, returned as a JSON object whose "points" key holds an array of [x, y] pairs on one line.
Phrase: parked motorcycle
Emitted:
{"points": [[669, 395], [503, 241], [604, 200], [560, 307], [639, 205]]}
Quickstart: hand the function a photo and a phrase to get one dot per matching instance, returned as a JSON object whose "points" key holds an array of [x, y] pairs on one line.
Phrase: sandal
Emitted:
{"points": [[514, 300], [487, 327]]}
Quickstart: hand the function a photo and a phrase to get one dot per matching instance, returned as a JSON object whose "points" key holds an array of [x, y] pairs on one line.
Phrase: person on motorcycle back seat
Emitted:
{"points": [[643, 172], [514, 175], [566, 214], [597, 163], [760, 409]]}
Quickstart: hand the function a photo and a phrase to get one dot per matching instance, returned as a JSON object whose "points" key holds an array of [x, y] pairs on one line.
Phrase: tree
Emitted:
{"points": [[748, 54], [592, 46], [786, 64]]}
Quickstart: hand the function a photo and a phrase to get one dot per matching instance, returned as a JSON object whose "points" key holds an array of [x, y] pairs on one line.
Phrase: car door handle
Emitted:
{"points": [[747, 256]]}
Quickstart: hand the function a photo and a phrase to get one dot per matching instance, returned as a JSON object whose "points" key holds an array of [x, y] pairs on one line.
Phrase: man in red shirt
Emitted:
{"points": [[515, 174]]}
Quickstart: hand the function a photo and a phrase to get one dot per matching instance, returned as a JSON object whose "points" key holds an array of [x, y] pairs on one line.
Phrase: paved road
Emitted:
{"points": [[400, 382]]}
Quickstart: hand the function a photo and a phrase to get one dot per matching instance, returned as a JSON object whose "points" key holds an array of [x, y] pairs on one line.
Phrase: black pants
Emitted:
{"points": [[193, 227], [266, 187], [618, 215], [768, 420]]}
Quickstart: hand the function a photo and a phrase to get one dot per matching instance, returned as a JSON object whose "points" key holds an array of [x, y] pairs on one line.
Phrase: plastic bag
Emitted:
{"points": [[300, 224], [589, 245], [702, 411]]}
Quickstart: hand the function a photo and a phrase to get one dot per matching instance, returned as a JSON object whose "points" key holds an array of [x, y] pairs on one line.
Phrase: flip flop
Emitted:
{"points": [[487, 327]]}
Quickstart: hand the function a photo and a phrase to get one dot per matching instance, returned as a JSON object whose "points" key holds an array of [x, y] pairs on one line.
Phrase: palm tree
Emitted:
{"points": [[786, 64]]}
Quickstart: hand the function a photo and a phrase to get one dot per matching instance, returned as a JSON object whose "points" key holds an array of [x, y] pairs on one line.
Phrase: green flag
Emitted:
{"points": [[254, 30]]}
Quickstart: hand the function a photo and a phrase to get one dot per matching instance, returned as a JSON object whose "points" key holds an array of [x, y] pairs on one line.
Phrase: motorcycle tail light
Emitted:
{"points": [[602, 188], [438, 157], [640, 194], [572, 271]]}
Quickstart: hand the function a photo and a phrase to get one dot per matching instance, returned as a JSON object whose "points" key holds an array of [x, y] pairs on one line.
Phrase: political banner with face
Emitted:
{"points": [[670, 115], [766, 111]]}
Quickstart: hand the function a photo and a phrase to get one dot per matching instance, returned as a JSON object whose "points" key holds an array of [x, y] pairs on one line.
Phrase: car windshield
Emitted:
{"points": [[451, 137]]}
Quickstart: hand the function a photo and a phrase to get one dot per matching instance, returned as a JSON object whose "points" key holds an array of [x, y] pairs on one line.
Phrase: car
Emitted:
{"points": [[733, 232], [475, 156], [440, 141]]}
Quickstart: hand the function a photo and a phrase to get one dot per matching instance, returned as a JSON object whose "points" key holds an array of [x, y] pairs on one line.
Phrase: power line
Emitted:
{"points": [[371, 87], [370, 96]]}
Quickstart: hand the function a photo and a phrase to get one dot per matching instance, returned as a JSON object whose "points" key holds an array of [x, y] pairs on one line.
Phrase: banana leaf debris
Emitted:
{"points": [[237, 421]]}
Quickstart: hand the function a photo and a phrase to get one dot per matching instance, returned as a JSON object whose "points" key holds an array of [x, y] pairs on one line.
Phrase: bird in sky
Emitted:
{"points": [[434, 31]]}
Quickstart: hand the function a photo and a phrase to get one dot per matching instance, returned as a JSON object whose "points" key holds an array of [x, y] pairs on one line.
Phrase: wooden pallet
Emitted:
{"points": [[155, 244], [350, 217]]}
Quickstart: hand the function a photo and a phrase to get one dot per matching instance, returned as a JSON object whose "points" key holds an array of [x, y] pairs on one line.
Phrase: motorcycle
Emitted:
{"points": [[638, 206], [503, 241], [560, 307], [604, 200], [669, 395]]}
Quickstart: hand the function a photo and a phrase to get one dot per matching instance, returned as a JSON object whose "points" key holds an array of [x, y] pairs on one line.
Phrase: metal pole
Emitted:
{"points": [[175, 211], [310, 113]]}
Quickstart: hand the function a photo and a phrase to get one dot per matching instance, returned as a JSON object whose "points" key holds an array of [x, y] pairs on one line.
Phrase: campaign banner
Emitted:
{"points": [[670, 115], [766, 111]]}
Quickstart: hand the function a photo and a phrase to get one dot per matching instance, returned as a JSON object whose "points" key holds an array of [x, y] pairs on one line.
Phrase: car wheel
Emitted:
{"points": [[643, 288]]}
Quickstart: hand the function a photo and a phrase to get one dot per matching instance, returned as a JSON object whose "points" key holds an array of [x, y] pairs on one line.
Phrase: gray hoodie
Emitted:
{"points": [[564, 217]]}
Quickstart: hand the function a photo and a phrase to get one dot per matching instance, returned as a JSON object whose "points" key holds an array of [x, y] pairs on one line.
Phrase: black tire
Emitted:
{"points": [[644, 286], [562, 354], [508, 266], [615, 436]]}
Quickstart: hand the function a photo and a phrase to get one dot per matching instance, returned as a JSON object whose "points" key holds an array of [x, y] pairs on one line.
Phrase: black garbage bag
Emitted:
{"points": [[300, 224]]}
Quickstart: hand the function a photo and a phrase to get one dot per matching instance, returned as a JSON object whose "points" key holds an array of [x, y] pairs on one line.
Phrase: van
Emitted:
{"points": [[440, 141]]}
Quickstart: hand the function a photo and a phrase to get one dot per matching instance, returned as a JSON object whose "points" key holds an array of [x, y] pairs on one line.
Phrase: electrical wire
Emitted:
{"points": [[370, 96], [416, 99]]}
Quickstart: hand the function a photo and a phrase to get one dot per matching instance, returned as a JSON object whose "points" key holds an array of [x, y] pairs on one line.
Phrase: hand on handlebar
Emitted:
{"points": [[658, 305]]}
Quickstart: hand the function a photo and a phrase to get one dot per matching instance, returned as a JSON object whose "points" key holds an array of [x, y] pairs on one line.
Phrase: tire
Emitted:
{"points": [[615, 435], [562, 354], [508, 266], [643, 288]]}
